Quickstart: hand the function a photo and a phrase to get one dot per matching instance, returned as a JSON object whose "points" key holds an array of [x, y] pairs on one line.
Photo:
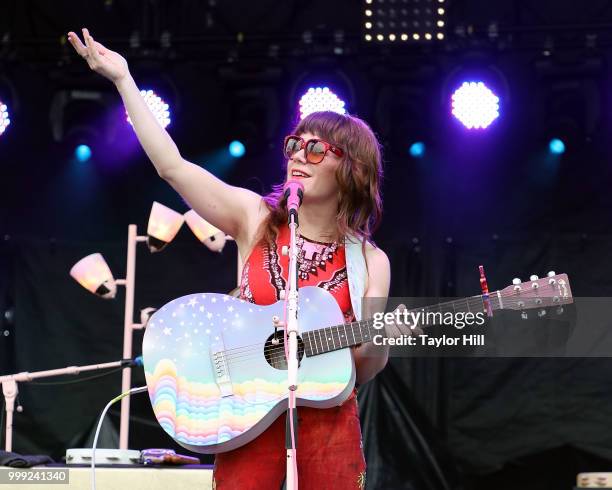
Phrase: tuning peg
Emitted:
{"points": [[551, 273], [285, 250], [533, 277], [559, 310], [524, 315], [542, 313], [516, 281], [281, 294]]}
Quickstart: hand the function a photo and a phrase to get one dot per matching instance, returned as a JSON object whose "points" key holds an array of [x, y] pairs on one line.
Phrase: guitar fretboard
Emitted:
{"points": [[336, 337]]}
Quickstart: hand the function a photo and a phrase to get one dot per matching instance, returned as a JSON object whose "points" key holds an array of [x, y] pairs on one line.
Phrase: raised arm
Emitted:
{"points": [[231, 209]]}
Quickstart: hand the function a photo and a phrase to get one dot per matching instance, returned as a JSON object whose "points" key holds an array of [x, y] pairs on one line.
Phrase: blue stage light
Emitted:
{"points": [[556, 146], [82, 153], [236, 149], [417, 150]]}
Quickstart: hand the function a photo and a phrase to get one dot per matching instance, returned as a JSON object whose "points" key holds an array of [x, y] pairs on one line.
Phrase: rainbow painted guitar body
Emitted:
{"points": [[209, 359]]}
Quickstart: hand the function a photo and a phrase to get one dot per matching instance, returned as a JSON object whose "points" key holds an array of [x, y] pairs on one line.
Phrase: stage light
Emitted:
{"points": [[210, 236], [92, 272], [320, 99], [475, 105], [236, 149], [82, 153], [158, 107], [556, 146], [164, 224], [5, 119], [417, 149], [391, 21]]}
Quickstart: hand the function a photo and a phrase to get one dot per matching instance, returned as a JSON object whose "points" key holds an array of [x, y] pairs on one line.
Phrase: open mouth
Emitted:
{"points": [[299, 175]]}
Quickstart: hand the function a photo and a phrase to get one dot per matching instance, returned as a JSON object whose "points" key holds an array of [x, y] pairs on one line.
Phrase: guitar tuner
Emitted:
{"points": [[533, 277], [559, 310], [524, 315], [485, 291], [542, 313]]}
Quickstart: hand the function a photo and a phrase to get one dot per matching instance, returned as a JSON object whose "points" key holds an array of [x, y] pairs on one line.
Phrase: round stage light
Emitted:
{"points": [[320, 99], [417, 150], [236, 149], [158, 107], [82, 153], [556, 146], [5, 119], [475, 105]]}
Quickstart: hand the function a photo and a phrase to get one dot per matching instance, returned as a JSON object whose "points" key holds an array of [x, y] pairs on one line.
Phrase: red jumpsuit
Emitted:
{"points": [[329, 449]]}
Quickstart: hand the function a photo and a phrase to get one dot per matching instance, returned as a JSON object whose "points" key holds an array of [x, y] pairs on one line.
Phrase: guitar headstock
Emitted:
{"points": [[552, 290]]}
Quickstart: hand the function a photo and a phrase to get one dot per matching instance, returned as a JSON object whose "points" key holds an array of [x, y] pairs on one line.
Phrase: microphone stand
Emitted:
{"points": [[292, 331], [10, 390]]}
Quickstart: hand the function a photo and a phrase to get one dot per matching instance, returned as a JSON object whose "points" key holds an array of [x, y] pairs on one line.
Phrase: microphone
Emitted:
{"points": [[294, 193]]}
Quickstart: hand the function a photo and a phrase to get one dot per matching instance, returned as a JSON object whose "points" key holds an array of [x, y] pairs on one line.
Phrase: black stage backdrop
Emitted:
{"points": [[427, 423]]}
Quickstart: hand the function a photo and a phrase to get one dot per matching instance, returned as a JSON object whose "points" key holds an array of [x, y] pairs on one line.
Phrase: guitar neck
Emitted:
{"points": [[336, 337]]}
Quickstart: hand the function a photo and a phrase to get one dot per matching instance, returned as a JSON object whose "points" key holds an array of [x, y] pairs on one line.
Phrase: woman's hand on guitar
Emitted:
{"points": [[398, 329], [100, 59]]}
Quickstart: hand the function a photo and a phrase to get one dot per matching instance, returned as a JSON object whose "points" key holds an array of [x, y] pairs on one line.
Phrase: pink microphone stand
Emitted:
{"points": [[294, 191], [10, 390]]}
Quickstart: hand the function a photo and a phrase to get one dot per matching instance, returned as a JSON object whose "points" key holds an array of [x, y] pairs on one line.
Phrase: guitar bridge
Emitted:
{"points": [[221, 370]]}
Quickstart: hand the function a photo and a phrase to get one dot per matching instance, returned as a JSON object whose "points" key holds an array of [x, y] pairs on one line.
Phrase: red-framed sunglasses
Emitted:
{"points": [[314, 149]]}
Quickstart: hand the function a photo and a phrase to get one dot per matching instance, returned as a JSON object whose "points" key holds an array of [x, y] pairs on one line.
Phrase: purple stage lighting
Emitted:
{"points": [[320, 99], [158, 107], [475, 105], [4, 117]]}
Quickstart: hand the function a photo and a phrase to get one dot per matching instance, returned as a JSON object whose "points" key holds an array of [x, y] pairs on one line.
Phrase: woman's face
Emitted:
{"points": [[319, 179]]}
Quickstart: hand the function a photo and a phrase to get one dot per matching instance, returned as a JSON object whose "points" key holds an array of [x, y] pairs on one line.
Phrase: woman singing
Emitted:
{"points": [[337, 159]]}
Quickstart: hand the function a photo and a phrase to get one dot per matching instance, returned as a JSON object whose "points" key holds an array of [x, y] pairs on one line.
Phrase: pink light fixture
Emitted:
{"points": [[209, 235], [164, 224], [92, 272]]}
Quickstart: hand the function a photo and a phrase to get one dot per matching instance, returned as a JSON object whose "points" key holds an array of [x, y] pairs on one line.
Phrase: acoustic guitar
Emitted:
{"points": [[216, 371]]}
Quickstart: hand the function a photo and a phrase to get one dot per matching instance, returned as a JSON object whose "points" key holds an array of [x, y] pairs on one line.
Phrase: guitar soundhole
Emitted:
{"points": [[274, 352]]}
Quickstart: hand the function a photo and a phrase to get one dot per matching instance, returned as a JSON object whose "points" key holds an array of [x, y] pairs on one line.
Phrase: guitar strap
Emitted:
{"points": [[356, 272]]}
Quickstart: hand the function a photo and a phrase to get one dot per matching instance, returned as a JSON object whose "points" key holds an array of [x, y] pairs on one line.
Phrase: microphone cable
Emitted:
{"points": [[133, 391]]}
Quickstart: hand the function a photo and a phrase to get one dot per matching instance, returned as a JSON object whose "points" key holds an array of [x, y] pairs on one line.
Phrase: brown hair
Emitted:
{"points": [[359, 176]]}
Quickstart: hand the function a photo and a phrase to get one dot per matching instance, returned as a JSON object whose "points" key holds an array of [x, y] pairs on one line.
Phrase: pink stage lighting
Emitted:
{"points": [[320, 99], [158, 107], [4, 117], [475, 105]]}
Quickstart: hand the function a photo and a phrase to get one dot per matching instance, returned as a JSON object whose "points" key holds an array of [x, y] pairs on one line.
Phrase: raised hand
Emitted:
{"points": [[100, 59]]}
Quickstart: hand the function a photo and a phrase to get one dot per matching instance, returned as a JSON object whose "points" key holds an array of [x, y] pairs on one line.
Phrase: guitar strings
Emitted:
{"points": [[471, 299], [275, 351]]}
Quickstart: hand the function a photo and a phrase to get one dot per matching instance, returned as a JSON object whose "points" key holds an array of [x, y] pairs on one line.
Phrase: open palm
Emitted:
{"points": [[100, 59]]}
